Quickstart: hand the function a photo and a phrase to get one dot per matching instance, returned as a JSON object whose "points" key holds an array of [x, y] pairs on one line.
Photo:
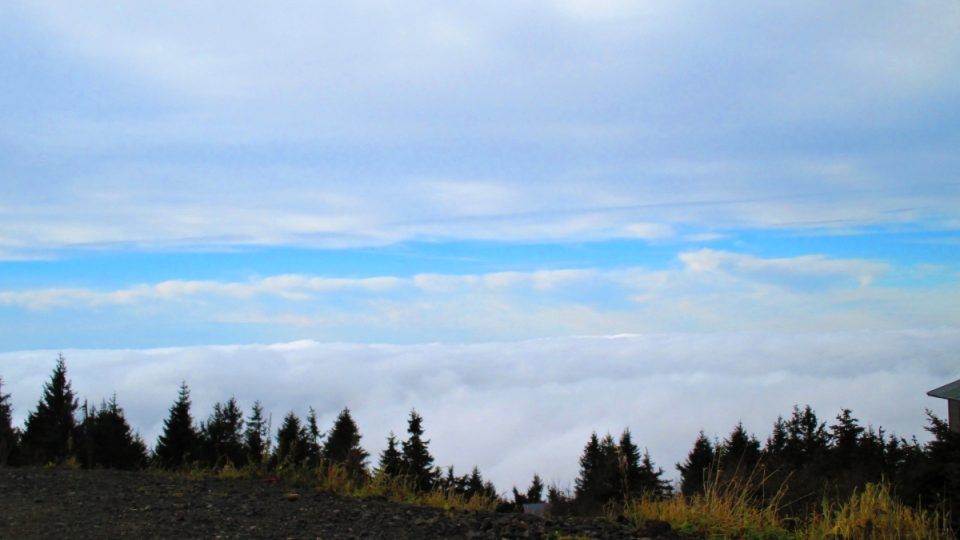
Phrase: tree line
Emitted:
{"points": [[813, 460], [802, 454], [61, 430]]}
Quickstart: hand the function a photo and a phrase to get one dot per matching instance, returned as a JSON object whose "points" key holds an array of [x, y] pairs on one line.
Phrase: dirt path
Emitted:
{"points": [[50, 503]]}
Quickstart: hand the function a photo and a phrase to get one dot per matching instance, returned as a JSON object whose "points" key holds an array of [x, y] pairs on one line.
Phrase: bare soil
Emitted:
{"points": [[56, 503]]}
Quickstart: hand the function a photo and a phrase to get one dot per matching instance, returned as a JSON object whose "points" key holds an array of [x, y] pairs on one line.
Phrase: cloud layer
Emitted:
{"points": [[533, 121], [701, 290], [515, 408]]}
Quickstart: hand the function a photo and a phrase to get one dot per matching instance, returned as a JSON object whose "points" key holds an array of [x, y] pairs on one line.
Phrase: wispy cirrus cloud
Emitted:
{"points": [[702, 290], [526, 122]]}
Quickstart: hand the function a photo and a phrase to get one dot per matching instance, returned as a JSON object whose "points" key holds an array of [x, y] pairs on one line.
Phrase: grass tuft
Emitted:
{"points": [[875, 514], [734, 510]]}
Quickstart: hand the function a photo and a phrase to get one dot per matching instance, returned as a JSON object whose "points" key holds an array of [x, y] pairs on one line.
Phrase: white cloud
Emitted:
{"points": [[515, 408], [527, 121], [648, 231], [290, 287], [708, 260], [706, 290]]}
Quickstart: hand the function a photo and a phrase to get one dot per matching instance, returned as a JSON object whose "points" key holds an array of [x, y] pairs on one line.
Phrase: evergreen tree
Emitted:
{"points": [[931, 473], [777, 442], [474, 483], [105, 439], [845, 437], [221, 436], [9, 436], [590, 464], [628, 455], [257, 436], [49, 434], [417, 463], [806, 437], [313, 447], [177, 445], [696, 470], [343, 444], [292, 442], [391, 460], [535, 491], [599, 479], [739, 453], [651, 477]]}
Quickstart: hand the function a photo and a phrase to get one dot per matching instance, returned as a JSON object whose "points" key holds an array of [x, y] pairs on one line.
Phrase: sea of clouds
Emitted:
{"points": [[515, 408]]}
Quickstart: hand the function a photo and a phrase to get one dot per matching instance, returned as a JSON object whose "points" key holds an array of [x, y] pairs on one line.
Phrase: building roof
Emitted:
{"points": [[947, 391]]}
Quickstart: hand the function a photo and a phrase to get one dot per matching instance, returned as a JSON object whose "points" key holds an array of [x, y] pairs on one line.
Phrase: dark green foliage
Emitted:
{"points": [[105, 439], [533, 495], [256, 440], [739, 453], [651, 478], [293, 442], [535, 491], [49, 433], [416, 461], [845, 438], [475, 486], [222, 436], [615, 472], [930, 474], [391, 460], [637, 473], [9, 436], [343, 444], [599, 480], [178, 444], [312, 441], [777, 441], [806, 437], [696, 471]]}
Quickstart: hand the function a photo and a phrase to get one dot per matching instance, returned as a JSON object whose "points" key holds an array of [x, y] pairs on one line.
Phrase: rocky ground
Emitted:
{"points": [[53, 503]]}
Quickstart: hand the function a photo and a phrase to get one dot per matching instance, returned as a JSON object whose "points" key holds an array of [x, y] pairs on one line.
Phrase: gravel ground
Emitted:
{"points": [[53, 503]]}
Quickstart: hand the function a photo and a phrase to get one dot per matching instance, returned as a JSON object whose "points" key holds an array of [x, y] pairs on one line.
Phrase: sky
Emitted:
{"points": [[543, 218]]}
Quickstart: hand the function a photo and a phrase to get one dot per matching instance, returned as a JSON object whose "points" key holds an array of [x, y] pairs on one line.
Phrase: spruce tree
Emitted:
{"points": [[651, 477], [222, 436], [313, 446], [49, 434], [776, 446], [589, 468], [535, 491], [696, 471], [391, 460], [105, 439], [292, 442], [599, 479], [806, 437], [9, 436], [257, 436], [631, 483], [845, 438], [177, 445], [739, 453], [417, 463], [343, 444]]}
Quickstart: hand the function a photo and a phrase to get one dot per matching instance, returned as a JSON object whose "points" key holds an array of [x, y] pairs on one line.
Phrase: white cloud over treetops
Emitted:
{"points": [[515, 408]]}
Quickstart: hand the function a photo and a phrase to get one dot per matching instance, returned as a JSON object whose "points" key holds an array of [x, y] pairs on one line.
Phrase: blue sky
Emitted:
{"points": [[409, 173]]}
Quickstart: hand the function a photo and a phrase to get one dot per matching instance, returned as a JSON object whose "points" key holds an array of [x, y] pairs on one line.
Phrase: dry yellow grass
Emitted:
{"points": [[732, 511], [725, 510], [875, 514]]}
